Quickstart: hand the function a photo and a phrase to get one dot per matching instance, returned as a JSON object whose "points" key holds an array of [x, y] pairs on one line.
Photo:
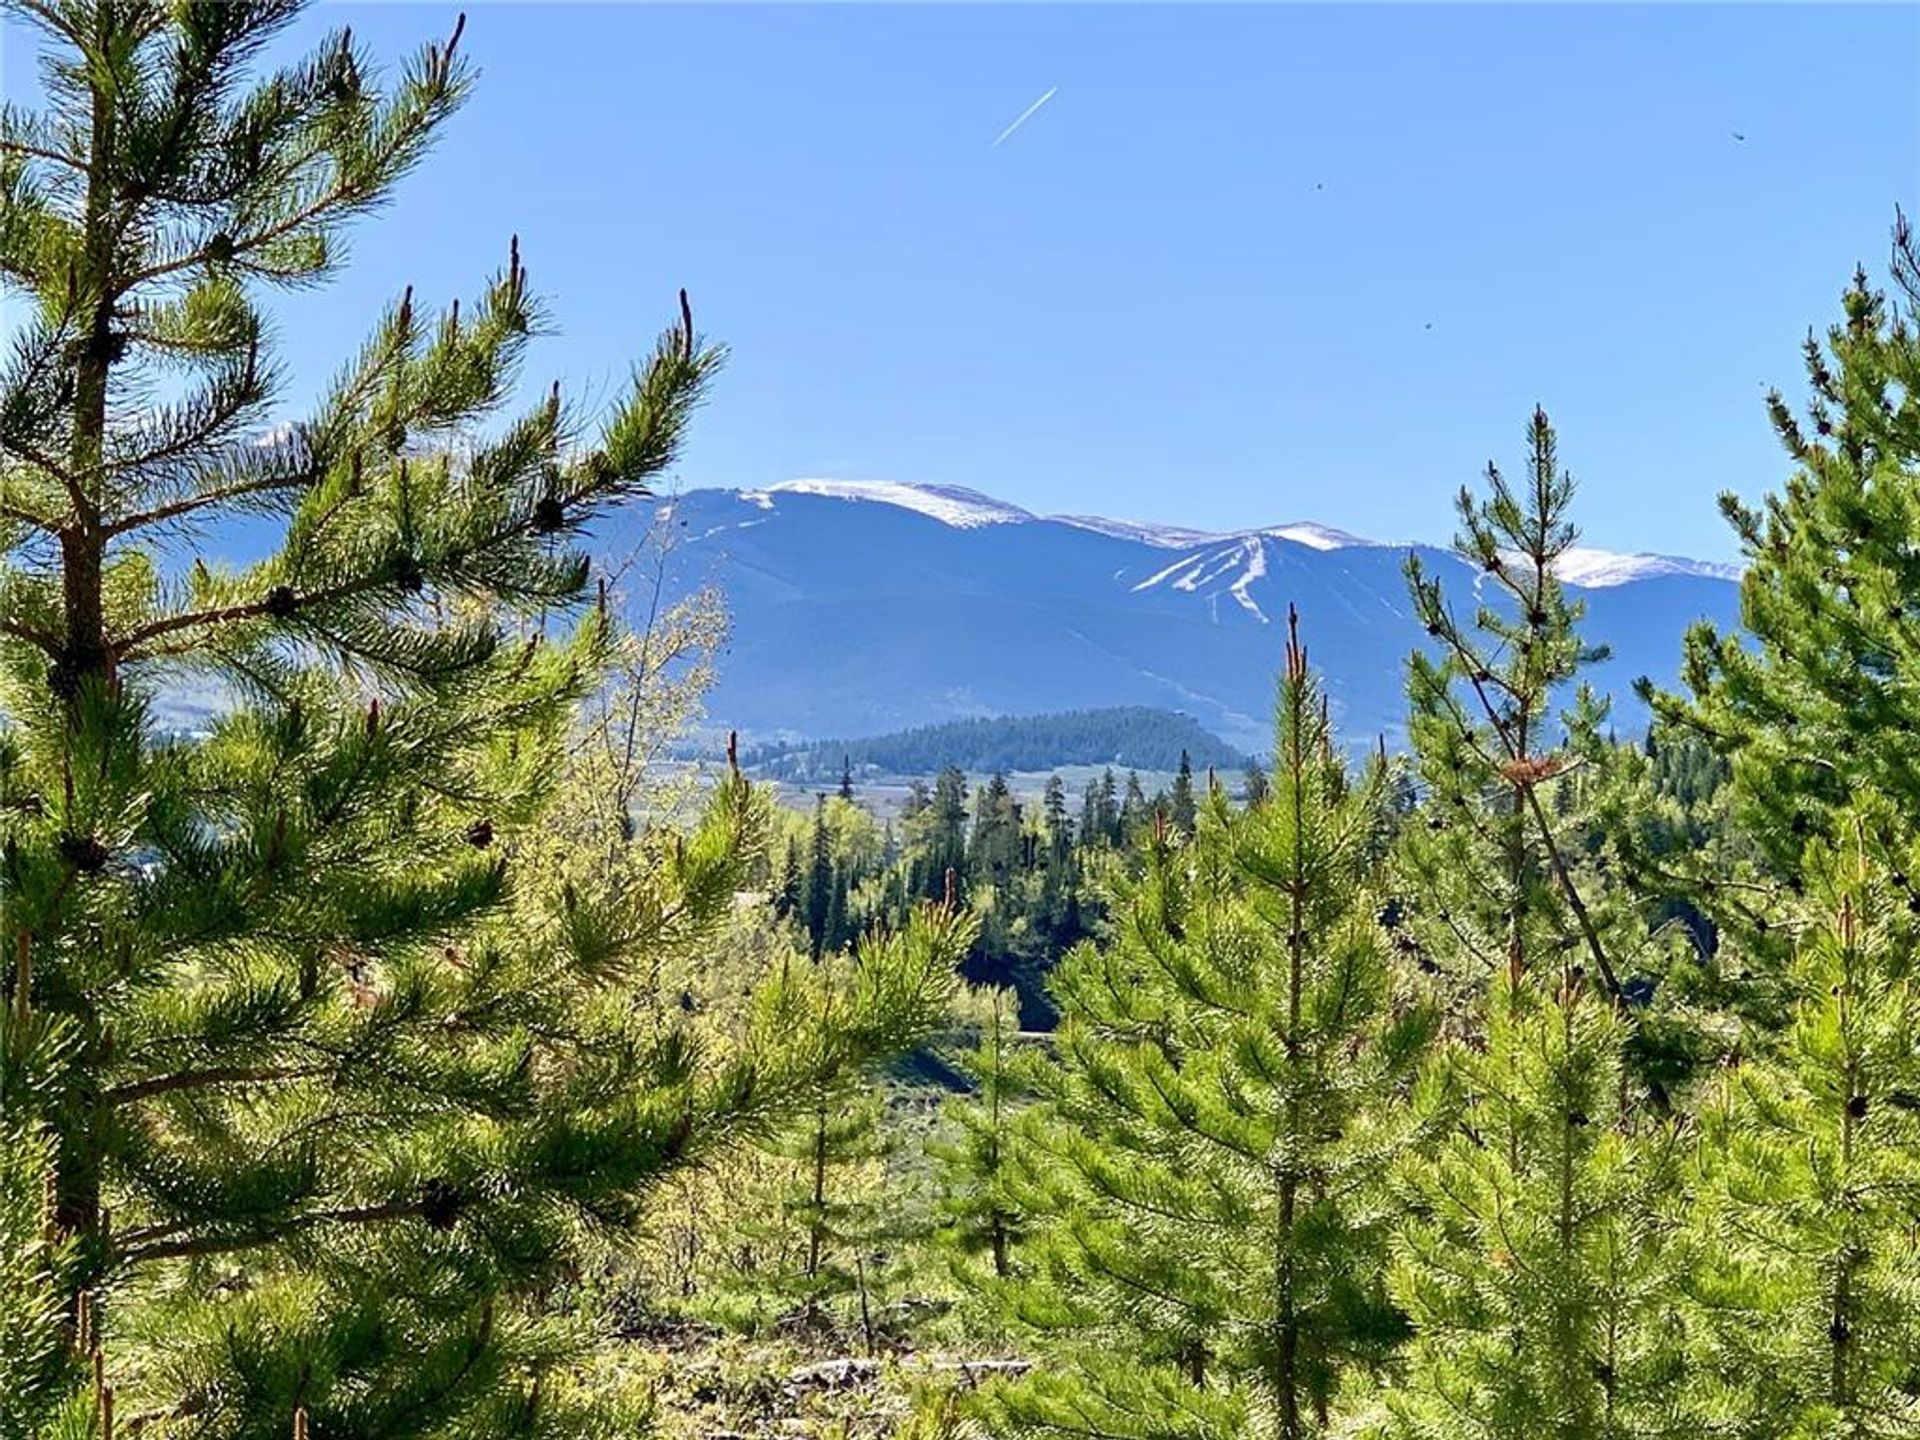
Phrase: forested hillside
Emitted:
{"points": [[1130, 737], [410, 1052]]}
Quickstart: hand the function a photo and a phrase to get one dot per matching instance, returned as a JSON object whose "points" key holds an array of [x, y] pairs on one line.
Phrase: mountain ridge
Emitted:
{"points": [[1587, 567], [863, 607]]}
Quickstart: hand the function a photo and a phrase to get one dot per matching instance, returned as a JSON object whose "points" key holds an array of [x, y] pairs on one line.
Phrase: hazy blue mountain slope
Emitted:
{"points": [[856, 613]]}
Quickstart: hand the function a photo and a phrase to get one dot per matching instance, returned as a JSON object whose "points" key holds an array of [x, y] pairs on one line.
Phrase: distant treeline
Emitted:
{"points": [[1134, 737]]}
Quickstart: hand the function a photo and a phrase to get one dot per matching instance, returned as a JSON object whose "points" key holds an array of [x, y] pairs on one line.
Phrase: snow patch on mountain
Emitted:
{"points": [[1592, 569], [1210, 554], [1245, 560], [1164, 537], [949, 504], [1320, 537], [1256, 567], [1175, 537]]}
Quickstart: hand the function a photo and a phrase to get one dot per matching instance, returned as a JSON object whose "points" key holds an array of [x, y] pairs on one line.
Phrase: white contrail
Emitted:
{"points": [[1025, 115]]}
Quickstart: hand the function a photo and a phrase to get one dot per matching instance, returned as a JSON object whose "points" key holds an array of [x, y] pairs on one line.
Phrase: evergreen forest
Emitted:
{"points": [[412, 1052]]}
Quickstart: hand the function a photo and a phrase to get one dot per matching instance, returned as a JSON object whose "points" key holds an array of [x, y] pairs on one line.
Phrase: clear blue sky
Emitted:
{"points": [[1143, 304]]}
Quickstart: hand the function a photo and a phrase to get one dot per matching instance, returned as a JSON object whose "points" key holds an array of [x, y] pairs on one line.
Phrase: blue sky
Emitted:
{"points": [[1197, 285]]}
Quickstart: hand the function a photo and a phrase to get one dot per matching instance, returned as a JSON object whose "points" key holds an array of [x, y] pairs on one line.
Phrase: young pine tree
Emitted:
{"points": [[1815, 701], [830, 1232], [983, 1221], [1812, 706], [821, 886], [1491, 858], [1180, 799], [1254, 784], [1538, 1267], [1205, 1171], [1535, 1263], [1807, 1300], [340, 1079], [819, 1210]]}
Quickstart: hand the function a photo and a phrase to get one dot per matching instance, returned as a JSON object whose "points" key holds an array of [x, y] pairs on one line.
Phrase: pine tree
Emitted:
{"points": [[982, 1216], [790, 885], [1808, 709], [1134, 811], [1092, 830], [1253, 787], [830, 1199], [1206, 1169], [993, 849], [1537, 1265], [834, 1217], [1813, 703], [1112, 827], [1493, 864], [1180, 798], [38, 1395], [818, 892], [1540, 1269], [1059, 828], [846, 779], [342, 1079], [939, 835], [1807, 1297]]}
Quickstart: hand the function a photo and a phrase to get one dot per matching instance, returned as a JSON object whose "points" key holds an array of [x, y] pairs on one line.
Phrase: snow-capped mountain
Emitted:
{"points": [[953, 505], [860, 607], [1597, 569]]}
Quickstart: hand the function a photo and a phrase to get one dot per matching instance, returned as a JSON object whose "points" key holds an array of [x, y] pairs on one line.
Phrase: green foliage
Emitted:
{"points": [[1534, 1261], [38, 1396], [1206, 1168], [983, 1220], [1491, 858], [347, 1069], [1020, 869], [1537, 1265], [1132, 735], [360, 1046], [817, 1230], [1812, 704], [1807, 1298]]}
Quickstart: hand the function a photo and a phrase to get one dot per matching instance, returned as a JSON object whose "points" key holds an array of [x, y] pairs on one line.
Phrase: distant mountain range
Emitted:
{"points": [[860, 608]]}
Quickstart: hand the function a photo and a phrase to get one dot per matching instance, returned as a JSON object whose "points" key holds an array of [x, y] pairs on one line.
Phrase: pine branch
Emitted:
{"points": [[187, 505], [48, 644], [134, 1252], [128, 1093]]}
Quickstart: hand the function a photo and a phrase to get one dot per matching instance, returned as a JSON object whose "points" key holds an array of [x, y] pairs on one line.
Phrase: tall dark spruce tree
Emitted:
{"points": [[308, 1088], [1204, 1174], [1536, 1262]]}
